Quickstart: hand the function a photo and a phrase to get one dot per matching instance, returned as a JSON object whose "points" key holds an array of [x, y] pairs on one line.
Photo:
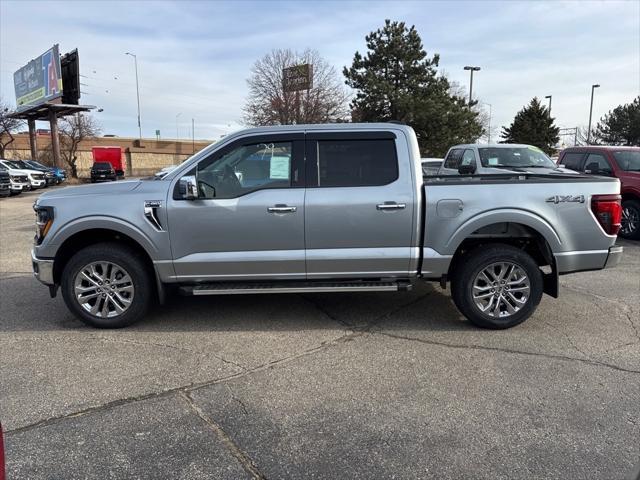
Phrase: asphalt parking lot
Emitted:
{"points": [[319, 386]]}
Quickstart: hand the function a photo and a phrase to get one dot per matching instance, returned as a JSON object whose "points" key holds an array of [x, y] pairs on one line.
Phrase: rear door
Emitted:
{"points": [[359, 206]]}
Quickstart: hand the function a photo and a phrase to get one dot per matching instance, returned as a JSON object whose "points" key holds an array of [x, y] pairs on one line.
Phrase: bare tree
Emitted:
{"points": [[269, 104], [73, 130], [8, 126]]}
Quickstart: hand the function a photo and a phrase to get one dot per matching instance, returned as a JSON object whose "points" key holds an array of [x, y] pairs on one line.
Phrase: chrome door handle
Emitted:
{"points": [[391, 206], [281, 209]]}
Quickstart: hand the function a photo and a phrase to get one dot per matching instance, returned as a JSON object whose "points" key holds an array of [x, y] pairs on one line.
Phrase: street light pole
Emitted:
{"points": [[593, 87], [135, 61], [549, 111], [471, 69], [177, 137]]}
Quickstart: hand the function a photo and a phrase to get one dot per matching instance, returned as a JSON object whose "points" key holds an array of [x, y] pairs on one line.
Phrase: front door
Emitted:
{"points": [[359, 205], [248, 222]]}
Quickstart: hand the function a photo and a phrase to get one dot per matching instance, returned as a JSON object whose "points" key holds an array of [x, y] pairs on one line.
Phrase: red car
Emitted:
{"points": [[620, 162]]}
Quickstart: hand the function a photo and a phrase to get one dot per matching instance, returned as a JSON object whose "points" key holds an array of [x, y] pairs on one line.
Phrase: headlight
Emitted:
{"points": [[44, 220]]}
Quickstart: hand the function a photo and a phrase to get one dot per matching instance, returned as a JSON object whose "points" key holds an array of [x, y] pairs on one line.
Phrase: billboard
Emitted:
{"points": [[298, 77], [40, 80]]}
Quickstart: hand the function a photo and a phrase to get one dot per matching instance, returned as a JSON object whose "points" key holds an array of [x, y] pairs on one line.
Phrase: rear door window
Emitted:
{"points": [[356, 163], [572, 160]]}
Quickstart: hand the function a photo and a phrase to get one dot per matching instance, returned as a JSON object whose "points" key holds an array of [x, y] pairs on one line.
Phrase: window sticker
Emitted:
{"points": [[279, 167]]}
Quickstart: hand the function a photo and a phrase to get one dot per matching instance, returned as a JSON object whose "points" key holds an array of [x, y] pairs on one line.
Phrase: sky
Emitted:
{"points": [[194, 57]]}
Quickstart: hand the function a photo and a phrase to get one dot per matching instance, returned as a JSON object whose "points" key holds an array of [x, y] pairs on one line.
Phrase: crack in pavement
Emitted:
{"points": [[236, 399], [190, 387], [626, 309], [507, 350], [247, 463]]}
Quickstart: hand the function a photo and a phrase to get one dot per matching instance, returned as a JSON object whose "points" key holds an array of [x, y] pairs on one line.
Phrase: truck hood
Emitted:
{"points": [[112, 188], [20, 171]]}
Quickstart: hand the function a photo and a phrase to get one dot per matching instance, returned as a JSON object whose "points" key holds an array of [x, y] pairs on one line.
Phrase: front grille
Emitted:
{"points": [[38, 176], [21, 178]]}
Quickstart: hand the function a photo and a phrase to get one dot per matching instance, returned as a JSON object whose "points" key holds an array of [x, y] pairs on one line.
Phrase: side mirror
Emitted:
{"points": [[467, 169], [188, 187]]}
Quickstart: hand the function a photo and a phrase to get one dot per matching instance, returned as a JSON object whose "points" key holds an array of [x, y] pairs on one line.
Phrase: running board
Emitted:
{"points": [[292, 287]]}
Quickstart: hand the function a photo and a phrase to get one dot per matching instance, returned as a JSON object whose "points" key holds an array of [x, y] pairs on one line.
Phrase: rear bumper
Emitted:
{"points": [[42, 269], [580, 261], [615, 254]]}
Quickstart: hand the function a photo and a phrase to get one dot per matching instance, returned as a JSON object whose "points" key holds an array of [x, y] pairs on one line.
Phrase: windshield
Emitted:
{"points": [[518, 157], [103, 165], [11, 164], [628, 160]]}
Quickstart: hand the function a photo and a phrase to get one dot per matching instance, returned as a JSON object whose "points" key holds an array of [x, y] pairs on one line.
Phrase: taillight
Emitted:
{"points": [[608, 211]]}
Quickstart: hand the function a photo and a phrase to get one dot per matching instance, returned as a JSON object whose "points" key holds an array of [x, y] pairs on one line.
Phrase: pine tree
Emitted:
{"points": [[533, 125], [396, 80], [621, 126]]}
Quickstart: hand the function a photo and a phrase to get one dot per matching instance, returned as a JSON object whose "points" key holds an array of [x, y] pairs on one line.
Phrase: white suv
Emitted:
{"points": [[36, 178]]}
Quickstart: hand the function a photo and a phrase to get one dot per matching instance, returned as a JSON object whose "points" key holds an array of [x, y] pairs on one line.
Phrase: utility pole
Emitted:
{"points": [[549, 111], [193, 136], [177, 136], [135, 61], [593, 87], [471, 69]]}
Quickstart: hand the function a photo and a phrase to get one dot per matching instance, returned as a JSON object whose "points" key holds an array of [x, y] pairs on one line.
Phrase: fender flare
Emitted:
{"points": [[95, 222], [484, 219]]}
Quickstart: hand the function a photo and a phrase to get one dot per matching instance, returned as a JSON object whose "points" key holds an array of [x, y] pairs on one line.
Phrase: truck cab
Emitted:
{"points": [[622, 163], [501, 158]]}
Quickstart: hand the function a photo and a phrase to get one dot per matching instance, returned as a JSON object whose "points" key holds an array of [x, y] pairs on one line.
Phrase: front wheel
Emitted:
{"points": [[497, 286], [107, 286], [630, 220]]}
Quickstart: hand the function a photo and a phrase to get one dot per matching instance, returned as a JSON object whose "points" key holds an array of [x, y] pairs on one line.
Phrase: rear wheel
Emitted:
{"points": [[107, 286], [497, 286], [630, 219]]}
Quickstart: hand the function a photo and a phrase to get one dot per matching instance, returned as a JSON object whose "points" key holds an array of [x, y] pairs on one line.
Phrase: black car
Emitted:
{"points": [[102, 172], [5, 183]]}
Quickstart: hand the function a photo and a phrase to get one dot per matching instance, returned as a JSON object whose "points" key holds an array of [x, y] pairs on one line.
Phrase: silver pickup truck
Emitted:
{"points": [[322, 208]]}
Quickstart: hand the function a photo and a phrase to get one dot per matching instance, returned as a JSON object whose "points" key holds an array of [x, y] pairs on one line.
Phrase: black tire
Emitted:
{"points": [[122, 256], [473, 264], [633, 209]]}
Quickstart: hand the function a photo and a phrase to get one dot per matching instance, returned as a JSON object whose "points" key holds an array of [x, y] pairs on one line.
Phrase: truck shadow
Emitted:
{"points": [[25, 306]]}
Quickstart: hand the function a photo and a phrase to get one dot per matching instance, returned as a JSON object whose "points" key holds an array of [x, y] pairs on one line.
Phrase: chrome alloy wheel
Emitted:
{"points": [[501, 289], [630, 220], [104, 289]]}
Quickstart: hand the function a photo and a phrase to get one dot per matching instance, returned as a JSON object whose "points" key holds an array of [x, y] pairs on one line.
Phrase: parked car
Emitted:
{"points": [[622, 163], [36, 178], [499, 158], [103, 172], [5, 183], [49, 176], [351, 214], [59, 173], [430, 166], [112, 155], [19, 182]]}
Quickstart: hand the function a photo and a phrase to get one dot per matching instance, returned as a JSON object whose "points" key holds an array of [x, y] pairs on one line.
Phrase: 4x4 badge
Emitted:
{"points": [[566, 198]]}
